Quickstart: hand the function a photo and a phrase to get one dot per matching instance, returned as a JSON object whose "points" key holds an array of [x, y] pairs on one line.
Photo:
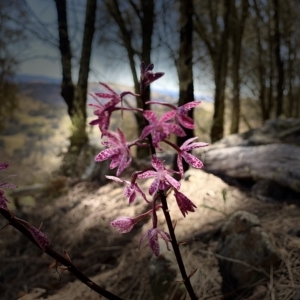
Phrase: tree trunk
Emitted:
{"points": [[279, 61], [75, 98], [147, 21], [290, 72], [185, 67], [270, 98], [67, 86], [265, 113], [79, 137], [220, 72], [238, 25]]}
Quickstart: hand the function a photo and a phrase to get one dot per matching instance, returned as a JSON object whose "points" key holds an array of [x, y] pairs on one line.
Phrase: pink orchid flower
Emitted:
{"points": [[103, 112], [152, 235], [162, 178], [130, 190], [123, 224], [184, 203], [147, 76], [160, 128], [189, 158], [181, 116], [118, 151]]}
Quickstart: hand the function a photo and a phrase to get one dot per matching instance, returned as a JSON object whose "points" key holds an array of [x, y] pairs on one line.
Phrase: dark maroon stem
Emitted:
{"points": [[172, 145], [186, 279], [60, 259]]}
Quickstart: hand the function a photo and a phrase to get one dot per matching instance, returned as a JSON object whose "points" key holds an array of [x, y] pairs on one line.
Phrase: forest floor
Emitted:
{"points": [[78, 222]]}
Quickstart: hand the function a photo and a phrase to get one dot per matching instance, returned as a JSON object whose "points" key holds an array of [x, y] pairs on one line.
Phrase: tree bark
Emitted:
{"points": [[220, 73], [75, 97], [265, 112], [185, 67], [147, 22], [80, 137], [216, 40], [279, 61], [238, 26], [67, 86]]}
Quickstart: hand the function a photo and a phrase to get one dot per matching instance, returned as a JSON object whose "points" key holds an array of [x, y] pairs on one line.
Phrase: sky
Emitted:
{"points": [[43, 58]]}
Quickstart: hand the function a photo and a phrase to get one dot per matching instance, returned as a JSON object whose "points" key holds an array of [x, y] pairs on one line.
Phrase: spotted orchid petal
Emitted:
{"points": [[184, 203], [130, 190], [118, 151], [123, 224], [3, 166], [192, 160], [152, 235], [154, 186], [189, 145]]}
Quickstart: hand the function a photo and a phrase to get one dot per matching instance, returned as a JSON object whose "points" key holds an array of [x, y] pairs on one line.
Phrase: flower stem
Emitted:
{"points": [[185, 278]]}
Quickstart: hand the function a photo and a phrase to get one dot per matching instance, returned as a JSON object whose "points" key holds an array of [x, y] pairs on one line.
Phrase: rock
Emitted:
{"points": [[243, 239], [268, 190], [162, 276]]}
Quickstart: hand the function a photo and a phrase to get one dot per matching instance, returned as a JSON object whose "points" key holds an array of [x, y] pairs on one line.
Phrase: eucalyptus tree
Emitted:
{"points": [[75, 96], [212, 24]]}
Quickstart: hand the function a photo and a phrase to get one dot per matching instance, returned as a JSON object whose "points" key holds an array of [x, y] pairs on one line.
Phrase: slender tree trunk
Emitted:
{"points": [[147, 21], [79, 137], [220, 75], [261, 66], [75, 98], [290, 82], [297, 105], [67, 86], [270, 98], [238, 25], [185, 66], [279, 61]]}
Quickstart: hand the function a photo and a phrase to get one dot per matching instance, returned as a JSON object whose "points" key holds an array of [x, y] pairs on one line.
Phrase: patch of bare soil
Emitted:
{"points": [[79, 223]]}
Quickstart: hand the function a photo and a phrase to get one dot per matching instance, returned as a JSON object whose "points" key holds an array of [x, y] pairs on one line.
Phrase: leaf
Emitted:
{"points": [[224, 193]]}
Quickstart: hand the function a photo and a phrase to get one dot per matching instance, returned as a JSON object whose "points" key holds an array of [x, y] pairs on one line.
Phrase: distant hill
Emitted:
{"points": [[39, 83], [25, 78], [44, 92]]}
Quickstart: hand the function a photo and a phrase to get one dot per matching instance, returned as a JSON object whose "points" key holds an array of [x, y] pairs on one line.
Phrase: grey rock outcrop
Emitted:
{"points": [[243, 240]]}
